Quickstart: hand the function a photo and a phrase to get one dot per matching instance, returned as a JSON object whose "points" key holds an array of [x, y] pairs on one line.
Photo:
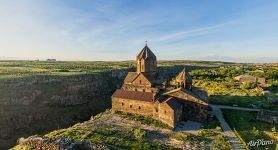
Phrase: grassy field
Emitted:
{"points": [[249, 128], [243, 101], [9, 69]]}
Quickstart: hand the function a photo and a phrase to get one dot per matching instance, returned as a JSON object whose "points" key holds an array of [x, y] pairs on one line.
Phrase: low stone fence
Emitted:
{"points": [[268, 116]]}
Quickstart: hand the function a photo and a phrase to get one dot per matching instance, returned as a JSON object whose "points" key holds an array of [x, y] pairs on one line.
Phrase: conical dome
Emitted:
{"points": [[184, 80], [146, 61], [146, 53], [184, 76]]}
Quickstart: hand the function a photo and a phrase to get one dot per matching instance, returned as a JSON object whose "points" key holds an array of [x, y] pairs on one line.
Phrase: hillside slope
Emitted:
{"points": [[111, 130]]}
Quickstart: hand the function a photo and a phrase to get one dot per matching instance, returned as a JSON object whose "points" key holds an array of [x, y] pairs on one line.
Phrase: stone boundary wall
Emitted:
{"points": [[268, 116]]}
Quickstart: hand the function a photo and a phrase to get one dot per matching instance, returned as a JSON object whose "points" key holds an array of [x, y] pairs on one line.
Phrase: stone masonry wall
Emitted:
{"points": [[160, 111], [166, 114], [132, 106]]}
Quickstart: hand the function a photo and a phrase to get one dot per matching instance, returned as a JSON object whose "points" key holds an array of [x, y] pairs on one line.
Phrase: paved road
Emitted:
{"points": [[228, 132], [235, 108]]}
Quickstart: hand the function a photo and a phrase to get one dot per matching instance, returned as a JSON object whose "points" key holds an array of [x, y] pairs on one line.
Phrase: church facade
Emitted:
{"points": [[150, 93]]}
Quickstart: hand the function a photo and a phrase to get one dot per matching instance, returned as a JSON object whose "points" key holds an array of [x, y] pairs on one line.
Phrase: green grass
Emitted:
{"points": [[243, 101], [190, 138], [15, 69], [21, 147], [206, 133], [144, 120], [221, 143], [248, 127], [107, 137]]}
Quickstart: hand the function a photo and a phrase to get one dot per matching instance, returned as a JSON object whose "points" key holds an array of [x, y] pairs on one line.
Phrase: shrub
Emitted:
{"points": [[273, 130], [144, 120], [180, 136], [255, 132], [206, 132], [139, 134], [248, 85], [221, 143], [218, 129]]}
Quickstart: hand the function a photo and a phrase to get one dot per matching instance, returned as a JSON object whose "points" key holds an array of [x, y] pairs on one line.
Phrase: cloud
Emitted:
{"points": [[190, 33], [97, 30]]}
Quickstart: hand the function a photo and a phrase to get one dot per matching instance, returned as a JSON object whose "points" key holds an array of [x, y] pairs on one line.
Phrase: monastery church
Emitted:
{"points": [[151, 93]]}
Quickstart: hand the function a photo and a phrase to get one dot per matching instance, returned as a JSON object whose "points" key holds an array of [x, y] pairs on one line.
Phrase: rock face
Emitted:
{"points": [[45, 143], [37, 104], [64, 90]]}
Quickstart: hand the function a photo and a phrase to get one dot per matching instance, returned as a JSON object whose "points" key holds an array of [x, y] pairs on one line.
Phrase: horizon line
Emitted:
{"points": [[58, 60]]}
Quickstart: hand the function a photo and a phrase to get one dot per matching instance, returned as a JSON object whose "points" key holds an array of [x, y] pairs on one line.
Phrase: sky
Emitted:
{"points": [[93, 30]]}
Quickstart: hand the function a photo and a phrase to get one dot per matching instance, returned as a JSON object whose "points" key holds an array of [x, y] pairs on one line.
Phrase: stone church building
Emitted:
{"points": [[150, 93]]}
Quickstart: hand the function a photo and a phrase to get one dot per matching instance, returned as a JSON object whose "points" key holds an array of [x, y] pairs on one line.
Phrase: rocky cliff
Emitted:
{"points": [[37, 104]]}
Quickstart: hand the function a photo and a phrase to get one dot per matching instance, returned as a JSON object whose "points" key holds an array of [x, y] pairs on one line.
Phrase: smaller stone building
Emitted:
{"points": [[251, 79], [150, 93]]}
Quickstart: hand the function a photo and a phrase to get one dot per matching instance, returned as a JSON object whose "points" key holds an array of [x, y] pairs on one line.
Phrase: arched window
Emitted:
{"points": [[139, 107], [122, 104], [130, 106], [144, 90]]}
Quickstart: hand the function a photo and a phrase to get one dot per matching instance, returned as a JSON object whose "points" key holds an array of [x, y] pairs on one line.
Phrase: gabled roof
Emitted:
{"points": [[173, 103], [170, 101], [146, 53], [186, 95], [143, 76], [184, 76], [130, 77], [134, 95], [158, 79]]}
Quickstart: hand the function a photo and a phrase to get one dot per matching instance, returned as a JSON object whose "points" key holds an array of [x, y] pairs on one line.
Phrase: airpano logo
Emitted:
{"points": [[260, 142]]}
